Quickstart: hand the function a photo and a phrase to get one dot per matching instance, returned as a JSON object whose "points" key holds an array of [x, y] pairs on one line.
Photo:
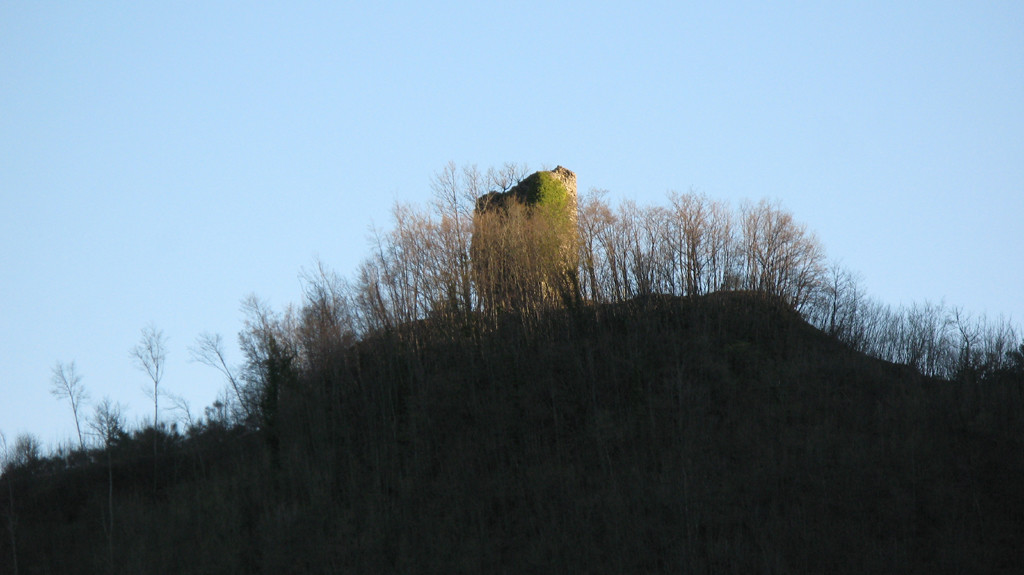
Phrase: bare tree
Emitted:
{"points": [[454, 198], [108, 424], [372, 312], [149, 356], [507, 176], [66, 383], [209, 350], [27, 450], [969, 333], [182, 406], [701, 240], [326, 320], [614, 240], [926, 339], [998, 342], [839, 306], [782, 258], [594, 216], [642, 247]]}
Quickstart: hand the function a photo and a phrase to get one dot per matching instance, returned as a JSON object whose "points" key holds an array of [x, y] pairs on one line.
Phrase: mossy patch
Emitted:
{"points": [[541, 191], [552, 198], [540, 188]]}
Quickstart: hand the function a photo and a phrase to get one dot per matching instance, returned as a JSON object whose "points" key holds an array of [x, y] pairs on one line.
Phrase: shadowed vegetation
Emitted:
{"points": [[698, 411]]}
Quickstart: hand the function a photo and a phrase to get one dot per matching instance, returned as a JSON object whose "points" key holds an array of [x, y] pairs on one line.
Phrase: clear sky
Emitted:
{"points": [[161, 161]]}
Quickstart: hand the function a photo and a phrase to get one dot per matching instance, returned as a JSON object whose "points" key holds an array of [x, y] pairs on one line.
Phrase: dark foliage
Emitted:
{"points": [[709, 434]]}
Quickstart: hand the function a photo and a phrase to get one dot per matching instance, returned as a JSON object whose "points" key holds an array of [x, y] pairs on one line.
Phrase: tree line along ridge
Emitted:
{"points": [[514, 338]]}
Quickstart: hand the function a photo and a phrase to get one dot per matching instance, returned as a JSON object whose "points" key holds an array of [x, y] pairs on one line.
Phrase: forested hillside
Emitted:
{"points": [[706, 393]]}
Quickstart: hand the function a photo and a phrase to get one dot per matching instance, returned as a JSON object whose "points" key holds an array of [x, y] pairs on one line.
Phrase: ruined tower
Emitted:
{"points": [[525, 243]]}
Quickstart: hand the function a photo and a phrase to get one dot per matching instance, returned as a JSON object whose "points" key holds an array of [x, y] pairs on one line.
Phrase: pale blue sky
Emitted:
{"points": [[159, 163]]}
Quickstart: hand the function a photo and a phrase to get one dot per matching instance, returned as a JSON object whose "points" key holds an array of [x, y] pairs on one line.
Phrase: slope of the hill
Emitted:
{"points": [[705, 435]]}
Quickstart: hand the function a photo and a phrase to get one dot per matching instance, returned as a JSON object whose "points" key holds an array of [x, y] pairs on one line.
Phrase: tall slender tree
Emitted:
{"points": [[108, 424], [149, 356], [66, 383]]}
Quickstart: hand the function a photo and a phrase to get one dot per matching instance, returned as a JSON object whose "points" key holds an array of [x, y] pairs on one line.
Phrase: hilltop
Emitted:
{"points": [[718, 433]]}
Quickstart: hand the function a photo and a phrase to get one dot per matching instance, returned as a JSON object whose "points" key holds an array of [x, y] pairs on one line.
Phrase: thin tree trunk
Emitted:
{"points": [[110, 505], [156, 429], [10, 525]]}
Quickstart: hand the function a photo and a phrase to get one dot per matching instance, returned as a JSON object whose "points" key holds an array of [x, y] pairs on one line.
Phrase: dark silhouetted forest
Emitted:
{"points": [[698, 391]]}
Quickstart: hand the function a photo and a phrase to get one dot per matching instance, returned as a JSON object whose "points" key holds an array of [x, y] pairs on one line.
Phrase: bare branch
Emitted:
{"points": [[209, 351], [182, 405]]}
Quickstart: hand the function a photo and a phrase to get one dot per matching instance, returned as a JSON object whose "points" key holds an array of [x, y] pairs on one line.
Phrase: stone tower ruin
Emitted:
{"points": [[525, 243]]}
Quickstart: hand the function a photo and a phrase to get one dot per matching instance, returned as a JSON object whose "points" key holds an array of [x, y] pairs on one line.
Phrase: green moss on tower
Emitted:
{"points": [[541, 191], [553, 199]]}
